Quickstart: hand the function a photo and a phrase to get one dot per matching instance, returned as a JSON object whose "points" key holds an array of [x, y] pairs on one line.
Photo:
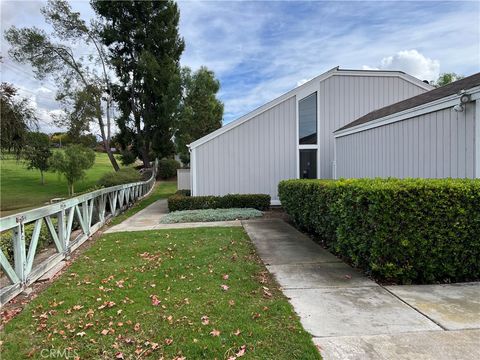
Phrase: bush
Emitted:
{"points": [[405, 231], [127, 157], [256, 201], [122, 176], [184, 192], [167, 169], [209, 215]]}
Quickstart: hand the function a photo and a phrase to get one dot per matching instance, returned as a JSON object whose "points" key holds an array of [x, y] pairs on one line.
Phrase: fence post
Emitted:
{"points": [[19, 251], [62, 236]]}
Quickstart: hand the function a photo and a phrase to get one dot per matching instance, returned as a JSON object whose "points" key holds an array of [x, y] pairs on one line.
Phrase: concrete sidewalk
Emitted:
{"points": [[352, 317]]}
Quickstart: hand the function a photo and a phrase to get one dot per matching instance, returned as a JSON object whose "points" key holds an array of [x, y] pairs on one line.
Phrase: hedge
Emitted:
{"points": [[123, 176], [398, 230], [181, 202]]}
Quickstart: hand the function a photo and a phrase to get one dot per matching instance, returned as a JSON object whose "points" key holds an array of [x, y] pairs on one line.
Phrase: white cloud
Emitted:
{"points": [[412, 62]]}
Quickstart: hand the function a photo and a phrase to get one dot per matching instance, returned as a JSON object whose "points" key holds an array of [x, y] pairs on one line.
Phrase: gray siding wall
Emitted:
{"points": [[254, 156], [435, 145], [251, 158], [346, 98]]}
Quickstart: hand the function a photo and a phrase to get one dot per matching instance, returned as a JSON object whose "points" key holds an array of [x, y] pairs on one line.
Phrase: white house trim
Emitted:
{"points": [[432, 106], [333, 72], [193, 166], [477, 139]]}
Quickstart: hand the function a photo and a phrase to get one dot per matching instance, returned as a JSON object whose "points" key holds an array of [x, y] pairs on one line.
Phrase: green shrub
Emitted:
{"points": [[167, 169], [204, 215], [183, 192], [411, 230], [122, 176], [256, 201], [127, 157]]}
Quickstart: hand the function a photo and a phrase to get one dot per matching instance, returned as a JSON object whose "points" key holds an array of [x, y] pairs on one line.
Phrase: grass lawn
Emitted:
{"points": [[170, 294], [20, 188], [163, 190]]}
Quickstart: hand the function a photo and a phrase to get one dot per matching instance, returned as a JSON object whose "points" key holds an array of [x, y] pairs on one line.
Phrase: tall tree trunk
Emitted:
{"points": [[106, 144]]}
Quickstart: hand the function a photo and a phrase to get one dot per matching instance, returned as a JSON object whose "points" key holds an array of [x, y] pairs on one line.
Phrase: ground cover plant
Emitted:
{"points": [[210, 215], [398, 230], [176, 294], [21, 189]]}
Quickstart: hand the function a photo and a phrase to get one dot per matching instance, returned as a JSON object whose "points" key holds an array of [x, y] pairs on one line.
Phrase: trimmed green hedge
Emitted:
{"points": [[400, 230], [181, 202], [123, 176]]}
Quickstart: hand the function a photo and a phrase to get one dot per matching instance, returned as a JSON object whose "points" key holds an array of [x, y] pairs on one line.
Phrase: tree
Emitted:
{"points": [[145, 48], [447, 78], [200, 111], [17, 118], [72, 163], [51, 56], [37, 152]]}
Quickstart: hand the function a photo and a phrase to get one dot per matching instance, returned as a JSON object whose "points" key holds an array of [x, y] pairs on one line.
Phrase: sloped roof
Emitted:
{"points": [[334, 71], [429, 96]]}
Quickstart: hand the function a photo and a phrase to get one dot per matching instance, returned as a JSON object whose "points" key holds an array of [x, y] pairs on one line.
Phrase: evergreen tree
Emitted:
{"points": [[200, 112], [145, 49]]}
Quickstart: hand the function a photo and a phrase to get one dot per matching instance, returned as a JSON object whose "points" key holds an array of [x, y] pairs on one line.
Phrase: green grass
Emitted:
{"points": [[20, 188], [163, 190], [210, 215], [112, 288]]}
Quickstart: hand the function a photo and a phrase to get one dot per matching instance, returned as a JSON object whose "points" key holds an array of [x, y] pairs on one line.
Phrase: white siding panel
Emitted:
{"points": [[252, 158], [439, 144]]}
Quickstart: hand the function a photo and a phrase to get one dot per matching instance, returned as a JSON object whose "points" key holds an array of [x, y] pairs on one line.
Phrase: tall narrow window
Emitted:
{"points": [[308, 163], [307, 120]]}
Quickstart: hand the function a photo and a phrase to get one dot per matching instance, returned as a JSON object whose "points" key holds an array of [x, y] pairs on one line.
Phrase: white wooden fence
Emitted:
{"points": [[103, 203], [183, 179]]}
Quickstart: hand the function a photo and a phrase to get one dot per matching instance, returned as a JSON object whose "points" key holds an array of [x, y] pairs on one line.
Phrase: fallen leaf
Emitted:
{"points": [[168, 341], [224, 287], [205, 320], [237, 332], [231, 302], [241, 352], [104, 332], [136, 327], [215, 332], [225, 277], [81, 334], [77, 307], [155, 300], [119, 355]]}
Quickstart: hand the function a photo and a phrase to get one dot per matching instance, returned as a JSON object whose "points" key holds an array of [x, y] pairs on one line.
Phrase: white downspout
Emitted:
{"points": [[477, 138]]}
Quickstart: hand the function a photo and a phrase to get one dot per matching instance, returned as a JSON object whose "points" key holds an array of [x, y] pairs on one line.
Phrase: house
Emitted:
{"points": [[292, 136], [432, 135]]}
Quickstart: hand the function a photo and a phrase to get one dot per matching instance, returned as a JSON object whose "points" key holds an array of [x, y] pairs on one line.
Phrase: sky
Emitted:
{"points": [[261, 49]]}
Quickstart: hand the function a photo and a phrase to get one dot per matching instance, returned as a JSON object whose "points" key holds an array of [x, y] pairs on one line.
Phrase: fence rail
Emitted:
{"points": [[90, 210]]}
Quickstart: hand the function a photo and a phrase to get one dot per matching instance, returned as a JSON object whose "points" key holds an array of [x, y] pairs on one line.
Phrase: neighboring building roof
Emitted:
{"points": [[427, 97], [334, 71]]}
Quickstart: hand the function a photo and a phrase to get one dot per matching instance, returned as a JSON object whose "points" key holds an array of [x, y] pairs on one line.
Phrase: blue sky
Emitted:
{"points": [[262, 49]]}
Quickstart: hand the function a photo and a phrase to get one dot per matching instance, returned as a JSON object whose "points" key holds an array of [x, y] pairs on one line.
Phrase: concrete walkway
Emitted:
{"points": [[352, 317], [149, 219]]}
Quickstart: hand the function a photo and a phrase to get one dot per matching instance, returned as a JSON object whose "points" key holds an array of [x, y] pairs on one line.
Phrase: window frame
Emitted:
{"points": [[309, 90]]}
